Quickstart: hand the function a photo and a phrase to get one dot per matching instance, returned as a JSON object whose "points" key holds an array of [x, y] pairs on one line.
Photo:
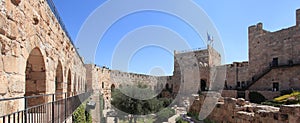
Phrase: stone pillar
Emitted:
{"points": [[96, 113], [298, 17]]}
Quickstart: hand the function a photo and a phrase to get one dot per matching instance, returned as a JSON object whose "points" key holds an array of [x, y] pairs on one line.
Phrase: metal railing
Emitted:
{"points": [[190, 50], [57, 16], [258, 76], [56, 111]]}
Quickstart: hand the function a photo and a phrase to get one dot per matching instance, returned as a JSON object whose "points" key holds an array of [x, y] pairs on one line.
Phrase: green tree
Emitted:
{"points": [[136, 106], [256, 97]]}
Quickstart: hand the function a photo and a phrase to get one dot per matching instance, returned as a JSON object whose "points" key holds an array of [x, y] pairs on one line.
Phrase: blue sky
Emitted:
{"points": [[231, 18]]}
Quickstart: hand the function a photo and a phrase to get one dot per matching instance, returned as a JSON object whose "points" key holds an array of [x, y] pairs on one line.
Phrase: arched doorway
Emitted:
{"points": [[59, 82], [112, 88], [203, 85], [69, 84], [35, 76]]}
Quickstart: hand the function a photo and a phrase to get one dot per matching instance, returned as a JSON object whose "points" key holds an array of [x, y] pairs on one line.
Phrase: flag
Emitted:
{"points": [[209, 39]]}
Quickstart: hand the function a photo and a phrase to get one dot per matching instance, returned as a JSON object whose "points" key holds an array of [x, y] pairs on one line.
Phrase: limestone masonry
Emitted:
{"points": [[38, 57]]}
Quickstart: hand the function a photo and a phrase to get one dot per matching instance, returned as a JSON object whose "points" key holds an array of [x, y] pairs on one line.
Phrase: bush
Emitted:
{"points": [[272, 103], [180, 120], [256, 97], [194, 115], [208, 121], [285, 92], [80, 115], [164, 114]]}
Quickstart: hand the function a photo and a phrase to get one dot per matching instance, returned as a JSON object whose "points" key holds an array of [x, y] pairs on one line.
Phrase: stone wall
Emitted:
{"points": [[269, 95], [229, 93], [241, 111], [107, 79], [236, 75], [273, 49], [92, 78], [192, 66], [34, 49], [287, 78]]}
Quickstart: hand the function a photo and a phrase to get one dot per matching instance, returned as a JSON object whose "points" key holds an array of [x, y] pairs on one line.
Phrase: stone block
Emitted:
{"points": [[290, 109], [3, 27], [3, 85], [17, 84], [13, 30], [41, 85], [30, 85], [11, 64], [37, 75], [240, 102]]}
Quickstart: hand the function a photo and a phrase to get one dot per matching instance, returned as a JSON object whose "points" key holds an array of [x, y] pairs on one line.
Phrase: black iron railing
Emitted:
{"points": [[56, 14], [56, 111], [265, 71]]}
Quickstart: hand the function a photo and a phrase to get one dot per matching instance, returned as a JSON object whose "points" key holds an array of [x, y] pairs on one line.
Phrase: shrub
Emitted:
{"points": [[80, 115], [285, 92], [256, 97], [164, 114], [194, 115], [180, 120], [208, 121], [272, 103]]}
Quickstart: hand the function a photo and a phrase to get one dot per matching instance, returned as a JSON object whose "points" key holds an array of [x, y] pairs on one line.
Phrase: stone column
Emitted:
{"points": [[96, 113]]}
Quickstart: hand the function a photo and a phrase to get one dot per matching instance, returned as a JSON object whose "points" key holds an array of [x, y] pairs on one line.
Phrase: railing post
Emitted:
{"points": [[26, 110], [53, 96], [66, 105]]}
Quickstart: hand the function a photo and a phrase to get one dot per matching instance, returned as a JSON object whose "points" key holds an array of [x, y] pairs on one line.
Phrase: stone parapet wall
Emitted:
{"points": [[229, 93], [29, 29]]}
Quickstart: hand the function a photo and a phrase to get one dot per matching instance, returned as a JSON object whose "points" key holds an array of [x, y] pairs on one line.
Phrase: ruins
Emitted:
{"points": [[38, 57]]}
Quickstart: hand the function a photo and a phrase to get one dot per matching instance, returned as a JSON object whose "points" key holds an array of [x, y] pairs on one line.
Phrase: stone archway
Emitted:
{"points": [[112, 88], [167, 86], [203, 85], [59, 81], [35, 73], [69, 84]]}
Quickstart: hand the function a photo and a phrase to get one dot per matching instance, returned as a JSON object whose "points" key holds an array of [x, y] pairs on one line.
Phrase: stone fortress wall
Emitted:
{"points": [[104, 80], [37, 57], [274, 61], [192, 66], [279, 49], [236, 75]]}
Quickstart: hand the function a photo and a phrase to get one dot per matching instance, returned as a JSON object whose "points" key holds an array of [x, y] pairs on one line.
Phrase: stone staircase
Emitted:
{"points": [[265, 71]]}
